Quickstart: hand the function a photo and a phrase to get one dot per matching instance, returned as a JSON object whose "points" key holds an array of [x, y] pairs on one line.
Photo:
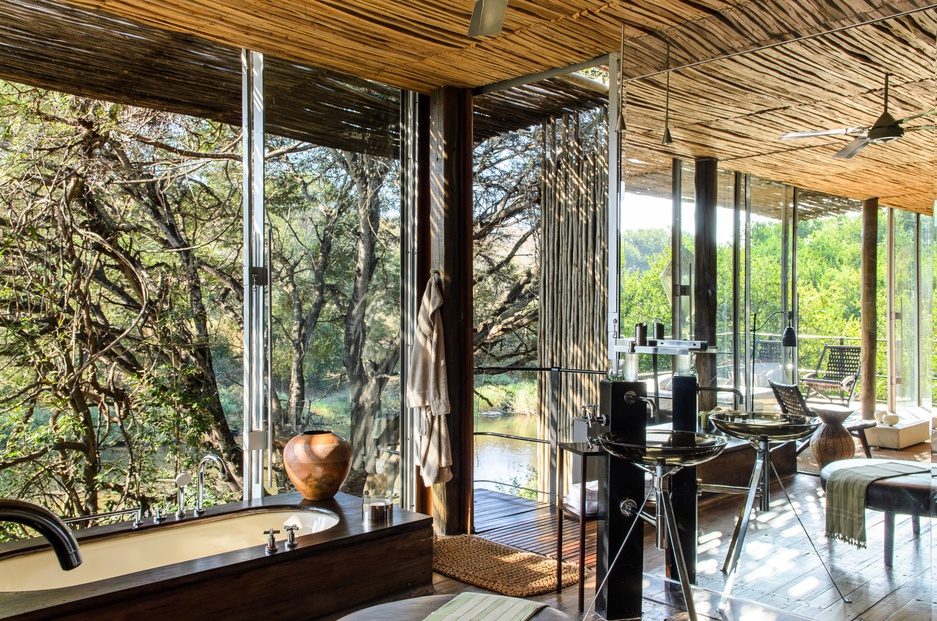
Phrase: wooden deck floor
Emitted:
{"points": [[780, 575]]}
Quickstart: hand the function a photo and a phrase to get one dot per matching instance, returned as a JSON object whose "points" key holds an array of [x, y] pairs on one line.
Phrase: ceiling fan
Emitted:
{"points": [[487, 18], [885, 129]]}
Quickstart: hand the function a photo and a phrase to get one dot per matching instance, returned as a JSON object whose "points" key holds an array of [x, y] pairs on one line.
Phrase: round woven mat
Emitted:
{"points": [[498, 567]]}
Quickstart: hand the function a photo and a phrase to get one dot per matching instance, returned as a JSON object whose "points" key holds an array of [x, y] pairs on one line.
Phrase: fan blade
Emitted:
{"points": [[852, 148], [842, 131], [917, 127], [487, 18], [917, 116]]}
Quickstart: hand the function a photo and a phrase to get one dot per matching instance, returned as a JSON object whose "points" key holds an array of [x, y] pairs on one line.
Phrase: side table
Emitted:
{"points": [[585, 451]]}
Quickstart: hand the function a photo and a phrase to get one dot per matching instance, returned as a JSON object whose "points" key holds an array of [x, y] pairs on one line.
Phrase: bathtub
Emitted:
{"points": [[216, 565], [170, 543]]}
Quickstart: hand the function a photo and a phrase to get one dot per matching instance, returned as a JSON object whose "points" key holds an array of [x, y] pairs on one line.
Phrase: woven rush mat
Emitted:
{"points": [[498, 567]]}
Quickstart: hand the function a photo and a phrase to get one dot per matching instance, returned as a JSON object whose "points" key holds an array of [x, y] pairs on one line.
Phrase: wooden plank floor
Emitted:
{"points": [[780, 575]]}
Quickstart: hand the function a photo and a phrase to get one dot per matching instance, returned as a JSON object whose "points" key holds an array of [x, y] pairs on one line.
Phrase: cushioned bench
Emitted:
{"points": [[912, 494]]}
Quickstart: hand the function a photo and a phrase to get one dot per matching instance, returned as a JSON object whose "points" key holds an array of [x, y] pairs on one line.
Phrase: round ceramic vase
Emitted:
{"points": [[317, 463]]}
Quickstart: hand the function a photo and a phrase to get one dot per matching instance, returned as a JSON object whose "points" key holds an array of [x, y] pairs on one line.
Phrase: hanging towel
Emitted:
{"points": [[427, 388]]}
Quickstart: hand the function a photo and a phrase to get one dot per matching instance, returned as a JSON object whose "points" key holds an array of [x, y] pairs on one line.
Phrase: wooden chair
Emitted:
{"points": [[792, 401], [837, 371]]}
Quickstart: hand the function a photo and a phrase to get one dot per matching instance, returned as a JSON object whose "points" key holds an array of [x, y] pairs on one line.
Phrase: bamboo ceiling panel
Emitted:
{"points": [[735, 109], [725, 103], [422, 44]]}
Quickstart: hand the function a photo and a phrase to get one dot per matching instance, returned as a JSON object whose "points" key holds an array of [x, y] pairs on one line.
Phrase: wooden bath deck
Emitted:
{"points": [[780, 576]]}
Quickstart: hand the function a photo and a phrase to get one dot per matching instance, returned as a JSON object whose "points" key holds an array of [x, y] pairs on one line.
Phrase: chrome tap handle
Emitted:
{"points": [[271, 540], [591, 415], [291, 535], [183, 479], [159, 518]]}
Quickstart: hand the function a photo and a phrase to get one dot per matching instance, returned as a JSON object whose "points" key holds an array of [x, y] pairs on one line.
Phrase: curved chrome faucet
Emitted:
{"points": [[49, 526], [207, 460]]}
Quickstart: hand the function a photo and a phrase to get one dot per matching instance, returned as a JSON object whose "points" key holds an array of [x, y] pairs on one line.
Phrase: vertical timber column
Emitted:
{"points": [[450, 153], [705, 285], [867, 305]]}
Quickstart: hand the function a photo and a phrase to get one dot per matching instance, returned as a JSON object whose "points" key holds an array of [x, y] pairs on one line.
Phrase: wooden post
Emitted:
{"points": [[867, 304], [705, 285], [451, 253]]}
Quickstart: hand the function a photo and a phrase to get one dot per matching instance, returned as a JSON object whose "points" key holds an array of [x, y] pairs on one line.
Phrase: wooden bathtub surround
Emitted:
{"points": [[350, 563]]}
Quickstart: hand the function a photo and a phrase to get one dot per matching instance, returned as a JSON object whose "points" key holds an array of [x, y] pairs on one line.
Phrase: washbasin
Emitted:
{"points": [[672, 448], [770, 425]]}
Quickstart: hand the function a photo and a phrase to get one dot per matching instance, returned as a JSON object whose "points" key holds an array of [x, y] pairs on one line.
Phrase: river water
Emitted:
{"points": [[502, 460]]}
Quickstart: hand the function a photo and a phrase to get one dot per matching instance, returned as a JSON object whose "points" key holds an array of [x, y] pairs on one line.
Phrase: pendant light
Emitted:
{"points": [[621, 90], [667, 139]]}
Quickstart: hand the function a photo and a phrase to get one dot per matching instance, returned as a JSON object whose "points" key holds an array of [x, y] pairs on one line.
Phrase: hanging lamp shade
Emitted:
{"points": [[487, 18], [789, 337], [667, 139]]}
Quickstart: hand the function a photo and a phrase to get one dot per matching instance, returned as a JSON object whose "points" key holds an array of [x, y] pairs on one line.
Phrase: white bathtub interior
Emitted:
{"points": [[167, 544]]}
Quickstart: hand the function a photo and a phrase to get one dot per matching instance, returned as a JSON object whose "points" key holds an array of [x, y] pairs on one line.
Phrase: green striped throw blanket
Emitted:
{"points": [[845, 497], [485, 607]]}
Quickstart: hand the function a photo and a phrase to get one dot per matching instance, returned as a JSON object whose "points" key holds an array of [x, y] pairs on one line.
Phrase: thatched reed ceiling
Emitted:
{"points": [[732, 107], [95, 54], [735, 110]]}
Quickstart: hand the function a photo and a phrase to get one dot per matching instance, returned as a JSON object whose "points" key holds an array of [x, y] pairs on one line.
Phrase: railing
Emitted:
{"points": [[553, 427]]}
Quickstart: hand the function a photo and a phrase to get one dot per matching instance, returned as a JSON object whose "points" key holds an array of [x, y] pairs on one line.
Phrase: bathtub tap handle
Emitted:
{"points": [[183, 479], [271, 540], [159, 518], [291, 535]]}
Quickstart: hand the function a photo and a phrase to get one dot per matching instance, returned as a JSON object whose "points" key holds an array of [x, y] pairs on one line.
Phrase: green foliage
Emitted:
{"points": [[501, 393]]}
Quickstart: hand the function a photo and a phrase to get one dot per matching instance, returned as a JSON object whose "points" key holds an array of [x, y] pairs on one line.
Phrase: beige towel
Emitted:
{"points": [[427, 388], [486, 607]]}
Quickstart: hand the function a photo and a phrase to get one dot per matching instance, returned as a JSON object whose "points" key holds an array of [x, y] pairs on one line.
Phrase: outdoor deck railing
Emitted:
{"points": [[552, 427]]}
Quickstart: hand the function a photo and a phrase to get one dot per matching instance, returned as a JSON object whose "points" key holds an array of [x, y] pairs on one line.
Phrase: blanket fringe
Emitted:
{"points": [[850, 540]]}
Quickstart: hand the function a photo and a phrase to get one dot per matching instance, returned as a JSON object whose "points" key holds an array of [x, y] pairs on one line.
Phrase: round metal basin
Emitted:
{"points": [[770, 425], [674, 448]]}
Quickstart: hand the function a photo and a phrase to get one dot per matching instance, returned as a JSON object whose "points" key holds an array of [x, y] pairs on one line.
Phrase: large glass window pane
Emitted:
{"points": [[770, 213], [905, 318], [725, 269], [829, 258], [507, 246], [928, 312], [334, 215], [120, 341]]}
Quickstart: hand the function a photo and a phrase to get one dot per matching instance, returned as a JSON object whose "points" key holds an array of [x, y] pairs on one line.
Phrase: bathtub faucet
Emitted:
{"points": [[182, 480], [49, 526], [206, 461]]}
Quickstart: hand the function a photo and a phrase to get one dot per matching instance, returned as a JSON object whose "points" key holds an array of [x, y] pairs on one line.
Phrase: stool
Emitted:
{"points": [[911, 494]]}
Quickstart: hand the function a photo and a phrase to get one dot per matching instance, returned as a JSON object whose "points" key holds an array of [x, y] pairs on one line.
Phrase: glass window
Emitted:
{"points": [[333, 211]]}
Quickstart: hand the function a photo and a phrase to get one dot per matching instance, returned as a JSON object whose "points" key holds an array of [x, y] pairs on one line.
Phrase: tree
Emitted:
{"points": [[107, 216], [507, 248]]}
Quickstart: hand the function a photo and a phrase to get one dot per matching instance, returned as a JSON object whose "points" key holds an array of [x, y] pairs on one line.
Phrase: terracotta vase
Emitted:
{"points": [[832, 441], [317, 463]]}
